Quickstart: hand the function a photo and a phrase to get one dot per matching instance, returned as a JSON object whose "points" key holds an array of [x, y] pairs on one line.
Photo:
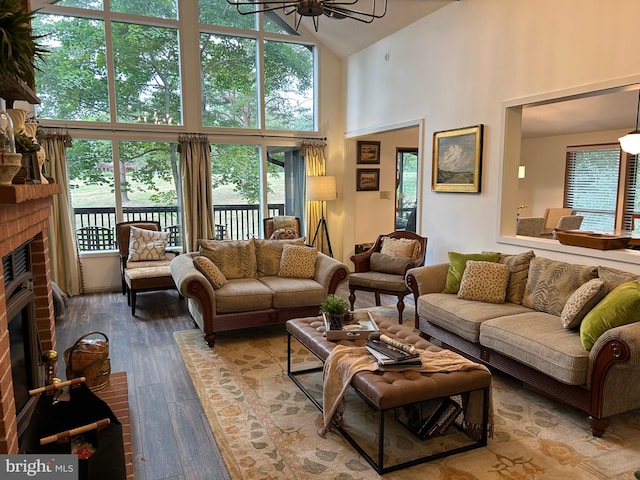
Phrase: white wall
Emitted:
{"points": [[461, 65]]}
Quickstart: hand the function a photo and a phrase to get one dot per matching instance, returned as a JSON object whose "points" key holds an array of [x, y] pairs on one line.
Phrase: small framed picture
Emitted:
{"points": [[367, 179], [368, 152], [457, 160]]}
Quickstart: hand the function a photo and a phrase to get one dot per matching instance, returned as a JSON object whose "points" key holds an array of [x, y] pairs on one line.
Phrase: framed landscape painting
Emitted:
{"points": [[457, 160], [367, 179], [368, 152]]}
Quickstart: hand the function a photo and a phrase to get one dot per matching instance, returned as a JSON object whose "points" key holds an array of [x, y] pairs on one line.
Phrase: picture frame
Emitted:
{"points": [[367, 179], [368, 152], [457, 160]]}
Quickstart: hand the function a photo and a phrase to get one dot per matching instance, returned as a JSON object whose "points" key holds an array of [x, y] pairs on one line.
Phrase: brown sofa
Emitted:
{"points": [[532, 344], [256, 295]]}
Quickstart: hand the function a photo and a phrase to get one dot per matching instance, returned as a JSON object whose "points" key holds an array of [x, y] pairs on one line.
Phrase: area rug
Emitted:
{"points": [[266, 428]]}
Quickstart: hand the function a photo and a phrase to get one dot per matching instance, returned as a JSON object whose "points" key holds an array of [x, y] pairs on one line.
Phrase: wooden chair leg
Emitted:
{"points": [[400, 308], [133, 302], [377, 295], [352, 297]]}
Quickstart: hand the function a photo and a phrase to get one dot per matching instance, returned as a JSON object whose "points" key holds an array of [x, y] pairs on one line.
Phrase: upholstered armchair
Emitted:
{"points": [[144, 260], [282, 227], [381, 269], [530, 226]]}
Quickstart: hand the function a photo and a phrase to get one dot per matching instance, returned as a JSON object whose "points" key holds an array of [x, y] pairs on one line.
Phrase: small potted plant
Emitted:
{"points": [[334, 308]]}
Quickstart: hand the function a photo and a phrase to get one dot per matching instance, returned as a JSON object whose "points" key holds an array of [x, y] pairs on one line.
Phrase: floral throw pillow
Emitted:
{"points": [[147, 245]]}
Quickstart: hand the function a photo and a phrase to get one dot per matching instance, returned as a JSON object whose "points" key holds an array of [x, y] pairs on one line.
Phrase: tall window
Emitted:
{"points": [[595, 176], [119, 76]]}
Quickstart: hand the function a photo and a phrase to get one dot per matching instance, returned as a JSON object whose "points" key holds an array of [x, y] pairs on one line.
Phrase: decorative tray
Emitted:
{"points": [[600, 241], [359, 327]]}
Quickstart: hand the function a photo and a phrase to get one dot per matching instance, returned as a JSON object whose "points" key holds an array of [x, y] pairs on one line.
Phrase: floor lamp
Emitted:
{"points": [[321, 189]]}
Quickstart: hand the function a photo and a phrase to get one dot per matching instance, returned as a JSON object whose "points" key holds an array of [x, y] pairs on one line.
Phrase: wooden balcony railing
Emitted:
{"points": [[95, 227]]}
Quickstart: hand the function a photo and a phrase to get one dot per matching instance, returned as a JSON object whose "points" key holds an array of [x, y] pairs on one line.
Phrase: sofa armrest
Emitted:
{"points": [[330, 272], [191, 283], [427, 279], [614, 370]]}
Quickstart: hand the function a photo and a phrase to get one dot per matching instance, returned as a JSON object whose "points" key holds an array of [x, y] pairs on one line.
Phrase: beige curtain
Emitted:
{"points": [[197, 204], [63, 253], [314, 152]]}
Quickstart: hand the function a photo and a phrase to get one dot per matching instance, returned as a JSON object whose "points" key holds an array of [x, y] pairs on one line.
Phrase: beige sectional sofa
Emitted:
{"points": [[569, 331], [235, 284]]}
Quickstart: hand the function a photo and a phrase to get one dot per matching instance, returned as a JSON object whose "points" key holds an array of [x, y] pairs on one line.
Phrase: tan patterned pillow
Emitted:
{"points": [[268, 254], [234, 258], [298, 261], [147, 244], [399, 247], [582, 301], [550, 284], [612, 277], [519, 271], [484, 282], [209, 270]]}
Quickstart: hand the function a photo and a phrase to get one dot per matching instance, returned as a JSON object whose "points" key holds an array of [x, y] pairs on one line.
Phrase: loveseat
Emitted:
{"points": [[235, 284], [571, 332]]}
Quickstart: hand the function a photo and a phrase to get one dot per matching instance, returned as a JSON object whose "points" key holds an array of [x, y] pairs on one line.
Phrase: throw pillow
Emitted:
{"points": [[581, 302], [209, 270], [399, 247], [147, 245], [519, 271], [283, 233], [619, 307], [550, 284], [234, 258], [379, 262], [457, 264], [484, 282], [613, 277], [268, 254], [298, 261]]}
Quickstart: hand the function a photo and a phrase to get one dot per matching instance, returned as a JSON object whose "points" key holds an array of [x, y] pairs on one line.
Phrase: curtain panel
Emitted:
{"points": [[197, 203], [65, 262], [314, 152]]}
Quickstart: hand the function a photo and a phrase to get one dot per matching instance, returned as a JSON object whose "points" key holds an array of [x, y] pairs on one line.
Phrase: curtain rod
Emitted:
{"points": [[177, 132]]}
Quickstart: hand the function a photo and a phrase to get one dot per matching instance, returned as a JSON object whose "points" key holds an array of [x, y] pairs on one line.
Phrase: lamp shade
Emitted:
{"points": [[321, 188], [630, 143]]}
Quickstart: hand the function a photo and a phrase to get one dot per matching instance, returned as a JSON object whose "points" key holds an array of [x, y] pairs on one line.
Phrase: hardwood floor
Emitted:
{"points": [[171, 438]]}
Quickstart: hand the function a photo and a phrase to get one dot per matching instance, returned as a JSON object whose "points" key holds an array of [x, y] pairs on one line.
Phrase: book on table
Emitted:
{"points": [[385, 354]]}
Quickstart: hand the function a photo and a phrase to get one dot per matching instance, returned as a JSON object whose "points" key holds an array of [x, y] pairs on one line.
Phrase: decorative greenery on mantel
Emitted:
{"points": [[18, 52]]}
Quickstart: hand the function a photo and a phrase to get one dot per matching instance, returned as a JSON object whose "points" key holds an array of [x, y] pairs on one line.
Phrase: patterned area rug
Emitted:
{"points": [[266, 428]]}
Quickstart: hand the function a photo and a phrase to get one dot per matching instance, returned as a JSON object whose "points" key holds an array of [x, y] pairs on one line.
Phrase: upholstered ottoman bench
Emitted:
{"points": [[392, 390]]}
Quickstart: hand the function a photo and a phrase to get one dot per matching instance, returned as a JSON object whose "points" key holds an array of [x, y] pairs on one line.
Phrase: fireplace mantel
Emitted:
{"points": [[24, 217]]}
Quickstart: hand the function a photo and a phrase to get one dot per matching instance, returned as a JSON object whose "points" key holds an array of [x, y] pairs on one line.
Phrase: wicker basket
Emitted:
{"points": [[89, 358]]}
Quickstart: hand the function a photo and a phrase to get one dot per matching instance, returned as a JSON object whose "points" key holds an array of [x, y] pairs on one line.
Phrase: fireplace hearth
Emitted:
{"points": [[24, 222]]}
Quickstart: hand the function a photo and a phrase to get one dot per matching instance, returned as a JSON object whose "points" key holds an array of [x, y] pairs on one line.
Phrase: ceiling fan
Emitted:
{"points": [[337, 9]]}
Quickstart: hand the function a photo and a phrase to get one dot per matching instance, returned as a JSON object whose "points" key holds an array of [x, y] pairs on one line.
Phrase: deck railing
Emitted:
{"points": [[95, 227]]}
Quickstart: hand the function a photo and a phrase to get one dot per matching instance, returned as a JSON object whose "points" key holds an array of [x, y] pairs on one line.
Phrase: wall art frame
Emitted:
{"points": [[457, 160], [368, 152], [367, 179]]}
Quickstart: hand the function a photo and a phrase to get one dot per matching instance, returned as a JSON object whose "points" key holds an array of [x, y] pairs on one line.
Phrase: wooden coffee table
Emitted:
{"points": [[390, 391]]}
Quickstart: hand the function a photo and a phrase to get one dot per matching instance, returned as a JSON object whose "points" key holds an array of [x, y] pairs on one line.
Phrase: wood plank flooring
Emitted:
{"points": [[171, 438]]}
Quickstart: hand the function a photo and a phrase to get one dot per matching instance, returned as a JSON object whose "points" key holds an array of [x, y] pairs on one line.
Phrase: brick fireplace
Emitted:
{"points": [[24, 216]]}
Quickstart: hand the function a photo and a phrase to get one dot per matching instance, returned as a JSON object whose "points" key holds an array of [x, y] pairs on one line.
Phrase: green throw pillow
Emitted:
{"points": [[457, 264], [620, 307]]}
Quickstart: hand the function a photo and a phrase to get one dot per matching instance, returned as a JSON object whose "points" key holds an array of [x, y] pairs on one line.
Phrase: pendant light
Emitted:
{"points": [[630, 143]]}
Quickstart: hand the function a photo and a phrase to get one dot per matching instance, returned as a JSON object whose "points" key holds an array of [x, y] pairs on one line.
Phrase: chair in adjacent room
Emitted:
{"points": [[530, 226], [570, 222], [147, 268], [381, 269], [94, 237], [551, 218], [282, 227]]}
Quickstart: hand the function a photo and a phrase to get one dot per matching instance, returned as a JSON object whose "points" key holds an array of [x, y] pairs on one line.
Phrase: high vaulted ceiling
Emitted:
{"points": [[346, 36]]}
